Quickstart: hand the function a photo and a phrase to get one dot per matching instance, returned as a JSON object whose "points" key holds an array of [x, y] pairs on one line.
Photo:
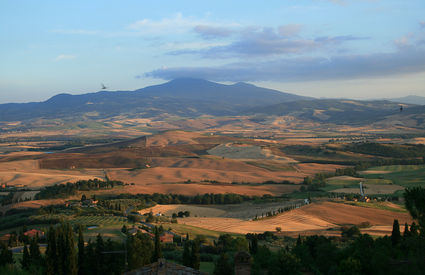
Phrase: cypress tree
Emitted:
{"points": [[406, 232], [26, 259], [35, 255], [195, 259], [299, 242], [51, 252], [157, 242], [67, 251], [414, 229], [81, 252], [395, 236], [99, 249], [90, 258], [254, 245], [6, 255], [186, 253]]}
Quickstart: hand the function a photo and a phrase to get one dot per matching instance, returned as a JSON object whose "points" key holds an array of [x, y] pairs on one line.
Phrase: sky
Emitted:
{"points": [[361, 49]]}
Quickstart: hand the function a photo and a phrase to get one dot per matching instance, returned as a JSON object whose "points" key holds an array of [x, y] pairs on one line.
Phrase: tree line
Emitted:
{"points": [[207, 198], [71, 188], [388, 150]]}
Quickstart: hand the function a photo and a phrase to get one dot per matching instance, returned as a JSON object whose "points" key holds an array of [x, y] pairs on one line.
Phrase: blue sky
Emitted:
{"points": [[321, 48]]}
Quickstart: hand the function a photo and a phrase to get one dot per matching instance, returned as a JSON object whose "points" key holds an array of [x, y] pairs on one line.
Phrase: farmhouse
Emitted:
{"points": [[34, 233]]}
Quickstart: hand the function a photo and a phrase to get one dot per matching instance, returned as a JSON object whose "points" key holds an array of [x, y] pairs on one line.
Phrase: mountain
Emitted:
{"points": [[343, 111], [183, 97], [410, 99]]}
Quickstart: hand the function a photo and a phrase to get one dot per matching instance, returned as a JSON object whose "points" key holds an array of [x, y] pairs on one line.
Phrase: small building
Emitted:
{"points": [[89, 203], [34, 233]]}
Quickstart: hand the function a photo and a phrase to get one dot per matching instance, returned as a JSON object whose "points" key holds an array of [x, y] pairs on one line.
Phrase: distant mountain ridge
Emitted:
{"points": [[189, 97], [410, 99], [184, 97]]}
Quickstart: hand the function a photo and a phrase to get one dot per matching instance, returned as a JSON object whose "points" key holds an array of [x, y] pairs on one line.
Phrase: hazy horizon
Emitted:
{"points": [[320, 48], [225, 83]]}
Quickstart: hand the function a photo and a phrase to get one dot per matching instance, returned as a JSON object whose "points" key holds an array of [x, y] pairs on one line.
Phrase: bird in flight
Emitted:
{"points": [[103, 86]]}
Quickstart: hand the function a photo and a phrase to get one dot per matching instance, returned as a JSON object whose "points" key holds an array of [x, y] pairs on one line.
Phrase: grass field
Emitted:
{"points": [[403, 175]]}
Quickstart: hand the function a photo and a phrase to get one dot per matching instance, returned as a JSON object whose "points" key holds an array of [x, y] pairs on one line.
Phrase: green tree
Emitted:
{"points": [[415, 203], [34, 251], [285, 263], [195, 258], [100, 256], [6, 256], [26, 259], [406, 232], [139, 250], [395, 235], [157, 241], [90, 258], [186, 253], [51, 252], [81, 252], [350, 266], [253, 244], [69, 254], [223, 265]]}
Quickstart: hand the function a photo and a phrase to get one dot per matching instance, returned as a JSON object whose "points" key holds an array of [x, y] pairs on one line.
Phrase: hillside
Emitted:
{"points": [[182, 97], [346, 111], [410, 99]]}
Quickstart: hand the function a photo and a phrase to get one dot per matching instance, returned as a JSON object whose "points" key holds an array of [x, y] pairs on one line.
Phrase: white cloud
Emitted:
{"points": [[175, 24], [180, 24], [65, 57]]}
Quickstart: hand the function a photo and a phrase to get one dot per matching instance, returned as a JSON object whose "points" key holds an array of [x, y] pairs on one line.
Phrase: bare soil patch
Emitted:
{"points": [[26, 173], [316, 216]]}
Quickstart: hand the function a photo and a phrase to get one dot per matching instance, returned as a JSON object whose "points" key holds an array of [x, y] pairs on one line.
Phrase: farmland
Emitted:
{"points": [[320, 216], [277, 172]]}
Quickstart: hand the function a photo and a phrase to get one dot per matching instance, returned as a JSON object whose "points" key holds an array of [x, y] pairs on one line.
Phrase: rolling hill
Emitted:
{"points": [[343, 111]]}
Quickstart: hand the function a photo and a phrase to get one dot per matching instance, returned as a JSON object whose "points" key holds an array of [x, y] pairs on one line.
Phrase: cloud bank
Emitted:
{"points": [[404, 61], [256, 41]]}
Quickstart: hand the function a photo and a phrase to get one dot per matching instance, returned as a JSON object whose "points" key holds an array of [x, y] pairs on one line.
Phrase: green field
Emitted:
{"points": [[107, 226], [403, 175], [351, 182]]}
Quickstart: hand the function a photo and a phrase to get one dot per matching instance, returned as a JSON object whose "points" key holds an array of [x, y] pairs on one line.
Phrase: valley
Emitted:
{"points": [[293, 169]]}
